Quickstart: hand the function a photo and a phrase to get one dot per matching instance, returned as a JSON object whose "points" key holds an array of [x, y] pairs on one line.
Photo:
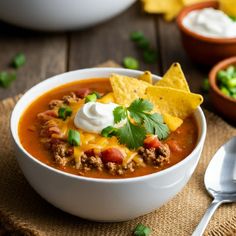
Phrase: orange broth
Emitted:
{"points": [[185, 136]]}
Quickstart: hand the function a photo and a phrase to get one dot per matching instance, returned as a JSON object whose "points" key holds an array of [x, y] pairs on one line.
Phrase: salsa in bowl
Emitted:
{"points": [[111, 180]]}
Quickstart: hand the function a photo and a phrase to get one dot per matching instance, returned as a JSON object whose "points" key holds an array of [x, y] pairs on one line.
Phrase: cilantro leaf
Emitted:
{"points": [[140, 105], [119, 114], [131, 135], [137, 108], [141, 230], [154, 124]]}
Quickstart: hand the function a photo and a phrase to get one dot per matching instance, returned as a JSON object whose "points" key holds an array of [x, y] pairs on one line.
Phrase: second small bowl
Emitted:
{"points": [[204, 50], [225, 105]]}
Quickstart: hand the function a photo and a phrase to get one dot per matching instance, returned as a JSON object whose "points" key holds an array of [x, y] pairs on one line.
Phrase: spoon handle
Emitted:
{"points": [[206, 218]]}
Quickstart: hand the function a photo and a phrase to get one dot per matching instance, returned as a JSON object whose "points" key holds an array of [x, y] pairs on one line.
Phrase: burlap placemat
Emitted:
{"points": [[24, 212]]}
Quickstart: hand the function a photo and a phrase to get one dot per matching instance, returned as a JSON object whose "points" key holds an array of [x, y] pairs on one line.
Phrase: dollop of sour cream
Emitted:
{"points": [[95, 116], [210, 22]]}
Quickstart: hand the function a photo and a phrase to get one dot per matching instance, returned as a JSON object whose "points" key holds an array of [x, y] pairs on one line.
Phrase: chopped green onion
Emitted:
{"points": [[74, 137], [143, 43], [64, 112], [205, 85], [141, 230], [221, 74], [6, 79], [225, 91], [130, 63], [150, 56], [91, 98], [19, 60], [231, 83], [136, 36], [230, 71], [98, 95], [109, 131]]}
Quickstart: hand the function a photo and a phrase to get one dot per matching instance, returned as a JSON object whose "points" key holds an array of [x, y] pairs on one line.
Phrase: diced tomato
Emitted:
{"points": [[82, 92], [152, 141], [112, 155], [174, 146]]}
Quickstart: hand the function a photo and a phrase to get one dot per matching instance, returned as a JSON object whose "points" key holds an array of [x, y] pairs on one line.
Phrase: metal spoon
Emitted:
{"points": [[220, 181]]}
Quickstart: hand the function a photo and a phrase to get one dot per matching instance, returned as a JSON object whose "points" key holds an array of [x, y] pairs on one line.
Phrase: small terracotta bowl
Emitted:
{"points": [[224, 105], [202, 49]]}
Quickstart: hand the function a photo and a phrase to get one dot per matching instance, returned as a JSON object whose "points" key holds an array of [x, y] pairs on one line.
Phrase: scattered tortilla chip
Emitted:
{"points": [[173, 101], [170, 8], [228, 6], [127, 89], [174, 78], [146, 76], [172, 122]]}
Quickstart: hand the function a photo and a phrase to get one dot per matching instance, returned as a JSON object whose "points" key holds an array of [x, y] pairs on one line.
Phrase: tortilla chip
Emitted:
{"points": [[173, 101], [127, 89], [228, 6], [170, 15], [174, 78], [170, 8], [172, 122], [146, 76], [189, 2]]}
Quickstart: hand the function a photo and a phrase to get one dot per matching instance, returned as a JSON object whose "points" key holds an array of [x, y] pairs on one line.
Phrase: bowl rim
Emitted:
{"points": [[14, 132], [186, 10], [213, 74]]}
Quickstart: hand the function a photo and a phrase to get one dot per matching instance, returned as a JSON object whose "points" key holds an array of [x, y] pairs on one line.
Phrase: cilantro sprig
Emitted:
{"points": [[139, 123]]}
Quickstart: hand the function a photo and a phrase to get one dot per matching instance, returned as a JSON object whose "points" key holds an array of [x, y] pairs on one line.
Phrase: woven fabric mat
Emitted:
{"points": [[24, 212]]}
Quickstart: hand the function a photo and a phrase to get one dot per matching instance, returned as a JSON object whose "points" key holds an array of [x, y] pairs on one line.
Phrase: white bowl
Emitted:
{"points": [[57, 15], [101, 199]]}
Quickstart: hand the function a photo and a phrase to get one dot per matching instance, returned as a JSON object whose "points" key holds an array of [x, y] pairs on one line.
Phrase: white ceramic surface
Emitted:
{"points": [[54, 15], [101, 199]]}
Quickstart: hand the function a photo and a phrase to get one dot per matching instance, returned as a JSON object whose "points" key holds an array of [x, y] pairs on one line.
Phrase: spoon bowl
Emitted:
{"points": [[220, 181], [220, 176]]}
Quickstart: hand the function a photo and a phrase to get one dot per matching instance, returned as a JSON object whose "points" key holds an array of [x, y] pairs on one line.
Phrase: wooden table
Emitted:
{"points": [[53, 53]]}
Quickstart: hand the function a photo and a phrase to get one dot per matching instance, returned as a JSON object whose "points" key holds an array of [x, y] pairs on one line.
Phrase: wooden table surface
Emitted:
{"points": [[49, 54]]}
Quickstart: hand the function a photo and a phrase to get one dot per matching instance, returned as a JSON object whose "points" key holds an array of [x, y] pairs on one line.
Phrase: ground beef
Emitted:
{"points": [[62, 152], [90, 162], [67, 99], [155, 156], [115, 169], [55, 103]]}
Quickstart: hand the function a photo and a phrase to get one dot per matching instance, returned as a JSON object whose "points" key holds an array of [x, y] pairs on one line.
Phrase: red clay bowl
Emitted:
{"points": [[202, 49], [224, 105]]}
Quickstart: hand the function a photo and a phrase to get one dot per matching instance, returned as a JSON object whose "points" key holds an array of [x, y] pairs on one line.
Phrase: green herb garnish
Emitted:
{"points": [[64, 112], [73, 137], [205, 85], [150, 56], [141, 230], [136, 36], [91, 98], [131, 63], [19, 60], [139, 123], [143, 43], [6, 79]]}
